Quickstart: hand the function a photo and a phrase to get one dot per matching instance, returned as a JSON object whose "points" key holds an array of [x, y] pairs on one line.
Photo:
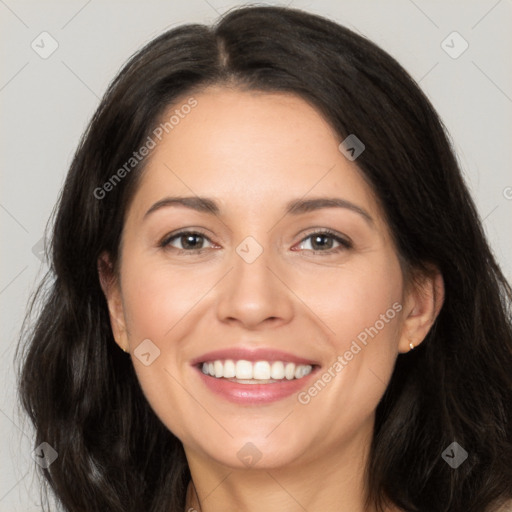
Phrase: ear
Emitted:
{"points": [[424, 299], [112, 290]]}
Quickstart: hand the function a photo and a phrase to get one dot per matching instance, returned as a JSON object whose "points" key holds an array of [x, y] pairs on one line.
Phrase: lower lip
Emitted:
{"points": [[255, 393]]}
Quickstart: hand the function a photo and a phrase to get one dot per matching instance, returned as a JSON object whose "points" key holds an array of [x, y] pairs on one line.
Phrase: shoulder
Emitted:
{"points": [[506, 507]]}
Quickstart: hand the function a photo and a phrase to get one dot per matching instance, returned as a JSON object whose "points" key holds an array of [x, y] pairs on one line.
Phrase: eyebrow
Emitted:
{"points": [[294, 207]]}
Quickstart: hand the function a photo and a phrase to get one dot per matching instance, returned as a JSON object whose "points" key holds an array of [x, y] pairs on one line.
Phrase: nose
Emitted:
{"points": [[254, 293]]}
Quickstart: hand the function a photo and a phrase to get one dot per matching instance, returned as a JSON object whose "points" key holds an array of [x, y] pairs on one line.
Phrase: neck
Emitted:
{"points": [[330, 481]]}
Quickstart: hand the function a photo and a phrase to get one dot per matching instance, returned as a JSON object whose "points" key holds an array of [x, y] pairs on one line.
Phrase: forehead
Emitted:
{"points": [[249, 149]]}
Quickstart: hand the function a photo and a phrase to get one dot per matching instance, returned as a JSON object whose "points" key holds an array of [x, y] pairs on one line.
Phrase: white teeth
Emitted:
{"points": [[219, 370], [299, 372], [289, 371], [247, 372], [261, 370], [277, 370], [243, 369], [229, 369]]}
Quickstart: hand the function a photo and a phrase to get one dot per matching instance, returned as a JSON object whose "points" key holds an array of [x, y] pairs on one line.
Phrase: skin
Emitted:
{"points": [[253, 152]]}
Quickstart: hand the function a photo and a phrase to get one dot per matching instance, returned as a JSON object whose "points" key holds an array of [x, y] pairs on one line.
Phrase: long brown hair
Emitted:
{"points": [[80, 390]]}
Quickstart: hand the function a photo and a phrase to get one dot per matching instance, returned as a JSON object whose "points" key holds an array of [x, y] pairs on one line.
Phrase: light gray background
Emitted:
{"points": [[45, 105]]}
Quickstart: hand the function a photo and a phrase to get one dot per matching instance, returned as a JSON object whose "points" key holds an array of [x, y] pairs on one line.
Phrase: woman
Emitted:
{"points": [[267, 218]]}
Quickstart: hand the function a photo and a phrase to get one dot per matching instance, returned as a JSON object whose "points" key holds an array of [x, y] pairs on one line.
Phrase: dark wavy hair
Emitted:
{"points": [[80, 390]]}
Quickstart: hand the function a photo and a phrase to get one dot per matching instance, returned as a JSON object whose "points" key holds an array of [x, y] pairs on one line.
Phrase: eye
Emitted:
{"points": [[192, 242], [324, 241], [188, 241]]}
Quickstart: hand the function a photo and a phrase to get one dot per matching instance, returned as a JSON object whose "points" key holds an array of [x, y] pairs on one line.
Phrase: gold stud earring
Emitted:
{"points": [[411, 345]]}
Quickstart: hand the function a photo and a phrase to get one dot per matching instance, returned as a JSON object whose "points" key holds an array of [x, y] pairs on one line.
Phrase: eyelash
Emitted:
{"points": [[344, 244]]}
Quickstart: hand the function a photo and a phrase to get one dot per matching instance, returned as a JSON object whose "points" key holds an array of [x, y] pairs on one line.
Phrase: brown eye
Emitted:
{"points": [[325, 241], [187, 241]]}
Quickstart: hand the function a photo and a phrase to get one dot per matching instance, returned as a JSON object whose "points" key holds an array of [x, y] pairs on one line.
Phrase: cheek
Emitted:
{"points": [[363, 311], [157, 296], [156, 302], [353, 301]]}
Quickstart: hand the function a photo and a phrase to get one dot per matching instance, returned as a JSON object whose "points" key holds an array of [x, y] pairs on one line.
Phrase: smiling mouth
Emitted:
{"points": [[258, 372]]}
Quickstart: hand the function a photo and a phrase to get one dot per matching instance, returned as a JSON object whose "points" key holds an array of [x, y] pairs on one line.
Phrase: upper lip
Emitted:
{"points": [[252, 354]]}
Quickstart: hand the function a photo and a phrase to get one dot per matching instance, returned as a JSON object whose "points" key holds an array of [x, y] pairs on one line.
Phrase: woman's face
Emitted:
{"points": [[247, 283]]}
